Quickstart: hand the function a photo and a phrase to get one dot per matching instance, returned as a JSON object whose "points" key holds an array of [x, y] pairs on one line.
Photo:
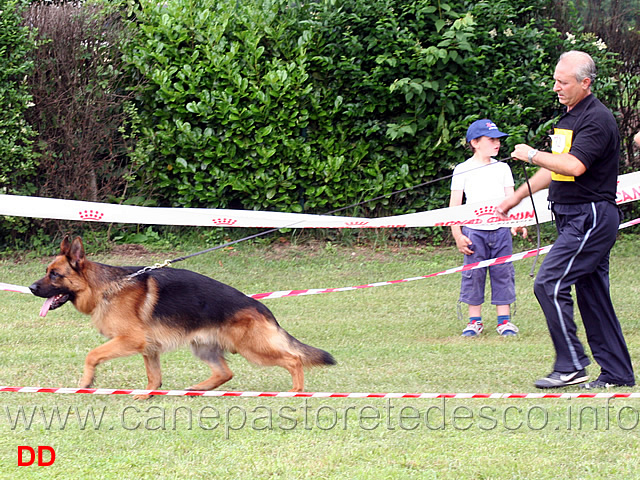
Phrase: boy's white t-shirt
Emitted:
{"points": [[481, 182]]}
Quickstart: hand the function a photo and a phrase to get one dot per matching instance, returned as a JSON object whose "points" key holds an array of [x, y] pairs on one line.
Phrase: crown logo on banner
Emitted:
{"points": [[356, 224], [224, 221], [91, 215], [480, 212]]}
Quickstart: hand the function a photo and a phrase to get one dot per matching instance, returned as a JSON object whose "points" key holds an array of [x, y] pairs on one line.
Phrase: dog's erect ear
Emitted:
{"points": [[76, 254], [65, 245]]}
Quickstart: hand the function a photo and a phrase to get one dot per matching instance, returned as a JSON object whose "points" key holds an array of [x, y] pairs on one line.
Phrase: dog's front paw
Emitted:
{"points": [[141, 397], [84, 383]]}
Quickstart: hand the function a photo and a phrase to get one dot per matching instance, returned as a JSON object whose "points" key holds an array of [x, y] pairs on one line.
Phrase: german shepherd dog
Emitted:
{"points": [[162, 309]]}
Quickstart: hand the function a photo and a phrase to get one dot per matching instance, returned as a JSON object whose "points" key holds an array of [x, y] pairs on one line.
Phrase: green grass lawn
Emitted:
{"points": [[400, 338]]}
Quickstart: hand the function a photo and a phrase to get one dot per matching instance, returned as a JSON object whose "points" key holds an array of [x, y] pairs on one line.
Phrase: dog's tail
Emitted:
{"points": [[310, 356]]}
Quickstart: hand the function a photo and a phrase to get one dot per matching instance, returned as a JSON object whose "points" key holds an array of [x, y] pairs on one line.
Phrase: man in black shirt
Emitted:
{"points": [[581, 173]]}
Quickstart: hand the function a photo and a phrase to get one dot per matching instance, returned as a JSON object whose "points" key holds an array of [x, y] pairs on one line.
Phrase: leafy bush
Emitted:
{"points": [[382, 70], [79, 93], [16, 135]]}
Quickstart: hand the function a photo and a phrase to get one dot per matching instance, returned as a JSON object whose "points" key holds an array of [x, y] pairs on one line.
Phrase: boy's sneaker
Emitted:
{"points": [[473, 329], [562, 379], [507, 329]]}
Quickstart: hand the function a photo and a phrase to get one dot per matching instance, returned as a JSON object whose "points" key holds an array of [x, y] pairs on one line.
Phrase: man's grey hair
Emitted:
{"points": [[586, 68]]}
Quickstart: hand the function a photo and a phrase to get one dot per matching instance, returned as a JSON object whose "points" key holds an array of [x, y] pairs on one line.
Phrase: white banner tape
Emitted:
{"points": [[7, 287], [468, 214]]}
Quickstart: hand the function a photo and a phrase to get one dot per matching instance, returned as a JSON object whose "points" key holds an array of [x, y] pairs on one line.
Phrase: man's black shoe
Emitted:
{"points": [[562, 379], [596, 384]]}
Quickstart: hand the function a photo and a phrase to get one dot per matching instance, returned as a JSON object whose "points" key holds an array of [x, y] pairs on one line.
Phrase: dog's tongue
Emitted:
{"points": [[47, 305]]}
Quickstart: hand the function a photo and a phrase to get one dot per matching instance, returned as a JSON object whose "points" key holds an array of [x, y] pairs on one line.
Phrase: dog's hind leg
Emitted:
{"points": [[289, 361], [259, 339], [213, 356], [275, 357], [294, 366], [114, 348]]}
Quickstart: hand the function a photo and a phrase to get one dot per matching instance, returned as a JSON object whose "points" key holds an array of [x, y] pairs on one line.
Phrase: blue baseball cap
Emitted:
{"points": [[484, 128]]}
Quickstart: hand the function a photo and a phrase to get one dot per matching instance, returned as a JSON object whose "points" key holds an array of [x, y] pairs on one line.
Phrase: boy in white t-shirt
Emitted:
{"points": [[482, 178]]}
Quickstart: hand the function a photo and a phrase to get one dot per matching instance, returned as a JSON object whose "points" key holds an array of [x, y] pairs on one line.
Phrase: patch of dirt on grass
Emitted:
{"points": [[130, 254], [282, 249], [130, 249]]}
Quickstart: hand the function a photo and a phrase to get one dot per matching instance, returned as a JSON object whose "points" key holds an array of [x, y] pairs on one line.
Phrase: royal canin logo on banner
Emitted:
{"points": [[356, 224], [629, 195], [487, 215]]}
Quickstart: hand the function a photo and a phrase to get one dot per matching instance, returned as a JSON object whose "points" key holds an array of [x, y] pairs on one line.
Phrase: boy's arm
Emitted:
{"points": [[462, 241]]}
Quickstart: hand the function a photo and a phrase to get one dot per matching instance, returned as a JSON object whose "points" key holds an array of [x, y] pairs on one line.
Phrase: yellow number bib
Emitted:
{"points": [[561, 143]]}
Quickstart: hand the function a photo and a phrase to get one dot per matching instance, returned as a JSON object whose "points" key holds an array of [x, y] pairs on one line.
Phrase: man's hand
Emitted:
{"points": [[507, 204], [521, 230], [521, 152]]}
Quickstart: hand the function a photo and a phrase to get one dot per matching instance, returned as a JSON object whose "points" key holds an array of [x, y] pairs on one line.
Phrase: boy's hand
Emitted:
{"points": [[464, 244]]}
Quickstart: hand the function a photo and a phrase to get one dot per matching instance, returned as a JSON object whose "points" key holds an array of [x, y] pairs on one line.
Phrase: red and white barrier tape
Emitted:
{"points": [[219, 393], [628, 190], [462, 268], [471, 266]]}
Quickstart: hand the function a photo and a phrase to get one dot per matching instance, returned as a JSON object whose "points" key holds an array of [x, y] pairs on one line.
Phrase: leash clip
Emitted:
{"points": [[166, 263], [156, 266]]}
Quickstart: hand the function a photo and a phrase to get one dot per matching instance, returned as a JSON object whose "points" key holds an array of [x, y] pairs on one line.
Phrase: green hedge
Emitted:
{"points": [[223, 111]]}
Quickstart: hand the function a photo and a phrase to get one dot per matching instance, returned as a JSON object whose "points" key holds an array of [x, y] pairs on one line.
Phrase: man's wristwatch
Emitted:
{"points": [[532, 153]]}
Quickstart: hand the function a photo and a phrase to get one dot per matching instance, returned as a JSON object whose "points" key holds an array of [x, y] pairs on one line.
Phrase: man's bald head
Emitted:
{"points": [[574, 74], [582, 63]]}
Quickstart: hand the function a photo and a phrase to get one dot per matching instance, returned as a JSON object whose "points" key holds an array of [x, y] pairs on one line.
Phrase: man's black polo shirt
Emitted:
{"points": [[590, 133]]}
